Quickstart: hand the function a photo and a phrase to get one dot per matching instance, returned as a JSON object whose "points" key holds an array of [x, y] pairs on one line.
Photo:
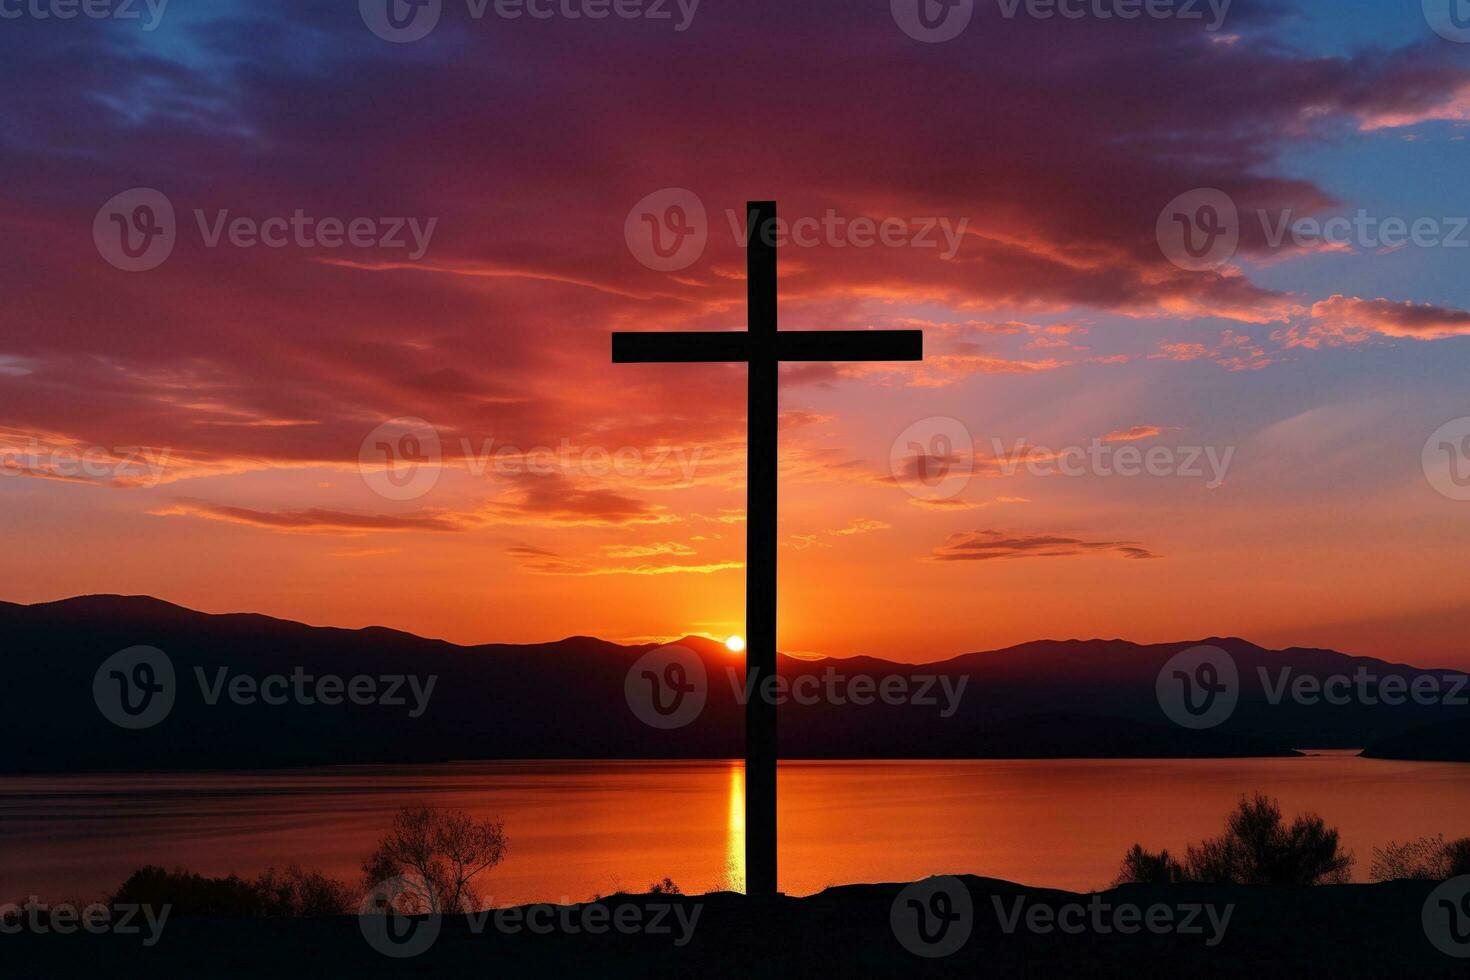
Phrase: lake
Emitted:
{"points": [[582, 828]]}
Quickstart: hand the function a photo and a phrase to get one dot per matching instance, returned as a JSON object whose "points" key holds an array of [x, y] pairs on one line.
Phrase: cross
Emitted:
{"points": [[763, 347]]}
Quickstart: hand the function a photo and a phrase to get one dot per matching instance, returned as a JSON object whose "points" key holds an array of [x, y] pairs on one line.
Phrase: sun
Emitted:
{"points": [[735, 644]]}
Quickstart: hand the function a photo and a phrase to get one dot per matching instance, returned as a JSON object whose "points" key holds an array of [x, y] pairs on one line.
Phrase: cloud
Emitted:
{"points": [[503, 327], [544, 562], [1344, 320], [861, 525], [646, 550], [988, 545], [317, 520], [1234, 351], [1133, 433], [557, 500]]}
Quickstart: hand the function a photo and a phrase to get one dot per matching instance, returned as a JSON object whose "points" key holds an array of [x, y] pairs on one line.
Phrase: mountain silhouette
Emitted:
{"points": [[566, 699]]}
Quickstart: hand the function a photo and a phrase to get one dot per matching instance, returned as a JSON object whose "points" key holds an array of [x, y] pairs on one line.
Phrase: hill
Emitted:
{"points": [[566, 699]]}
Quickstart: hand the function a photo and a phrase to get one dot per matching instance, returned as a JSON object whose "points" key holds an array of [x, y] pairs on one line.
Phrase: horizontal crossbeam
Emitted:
{"points": [[705, 346], [684, 347], [850, 345]]}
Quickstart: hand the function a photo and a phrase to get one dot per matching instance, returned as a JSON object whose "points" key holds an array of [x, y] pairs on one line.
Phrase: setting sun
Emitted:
{"points": [[735, 644]]}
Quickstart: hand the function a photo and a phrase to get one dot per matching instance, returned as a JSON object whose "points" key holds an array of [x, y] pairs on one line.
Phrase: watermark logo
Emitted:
{"points": [[833, 230], [401, 459], [90, 9], [667, 230], [1450, 19], [1103, 918], [1446, 459], [1199, 230], [1101, 458], [1365, 687], [667, 687], [1199, 687], [932, 21], [933, 458], [1446, 917], [390, 920], [941, 691], [130, 466], [63, 919], [933, 918], [134, 688], [135, 231], [401, 21]]}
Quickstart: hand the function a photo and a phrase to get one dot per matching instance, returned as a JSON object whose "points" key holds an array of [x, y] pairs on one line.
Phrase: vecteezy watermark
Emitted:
{"points": [[932, 21], [136, 688], [99, 918], [668, 231], [1124, 459], [1364, 230], [833, 230], [400, 918], [1446, 459], [1366, 687], [1200, 230], [135, 466], [403, 458], [404, 21], [399, 921], [933, 459], [148, 12], [1103, 918], [1446, 917], [934, 917], [1450, 19], [941, 691], [936, 21], [137, 230], [668, 688], [1199, 687]]}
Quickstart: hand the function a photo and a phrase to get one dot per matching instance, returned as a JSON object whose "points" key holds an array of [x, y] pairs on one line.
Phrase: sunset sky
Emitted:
{"points": [[253, 376]]}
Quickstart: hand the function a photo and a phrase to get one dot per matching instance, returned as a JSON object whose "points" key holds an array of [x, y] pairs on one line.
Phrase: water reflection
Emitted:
{"points": [[582, 828], [735, 831]]}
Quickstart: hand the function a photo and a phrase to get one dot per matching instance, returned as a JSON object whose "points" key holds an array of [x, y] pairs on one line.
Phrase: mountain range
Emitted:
{"points": [[566, 699]]}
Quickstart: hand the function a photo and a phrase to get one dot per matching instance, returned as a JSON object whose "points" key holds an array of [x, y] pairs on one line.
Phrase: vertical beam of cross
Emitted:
{"points": [[760, 549], [764, 347]]}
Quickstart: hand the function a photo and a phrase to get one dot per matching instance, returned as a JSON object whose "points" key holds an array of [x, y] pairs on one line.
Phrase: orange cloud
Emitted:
{"points": [[1349, 320], [989, 545], [1133, 433], [543, 562], [317, 520]]}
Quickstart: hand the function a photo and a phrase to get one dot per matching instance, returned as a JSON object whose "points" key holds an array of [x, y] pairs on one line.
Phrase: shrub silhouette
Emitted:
{"points": [[1257, 848], [292, 893], [432, 856], [1146, 868], [1425, 859]]}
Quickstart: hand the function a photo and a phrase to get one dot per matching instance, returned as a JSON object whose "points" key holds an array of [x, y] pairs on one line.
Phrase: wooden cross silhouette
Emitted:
{"points": [[763, 347]]}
